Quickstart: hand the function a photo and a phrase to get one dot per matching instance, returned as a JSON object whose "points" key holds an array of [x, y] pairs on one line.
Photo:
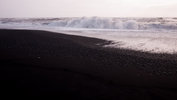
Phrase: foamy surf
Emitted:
{"points": [[155, 35]]}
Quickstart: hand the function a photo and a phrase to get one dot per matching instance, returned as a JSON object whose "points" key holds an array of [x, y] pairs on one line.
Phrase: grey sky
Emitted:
{"points": [[79, 8]]}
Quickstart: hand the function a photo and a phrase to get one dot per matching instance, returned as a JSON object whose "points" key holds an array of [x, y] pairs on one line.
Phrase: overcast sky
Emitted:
{"points": [[79, 8]]}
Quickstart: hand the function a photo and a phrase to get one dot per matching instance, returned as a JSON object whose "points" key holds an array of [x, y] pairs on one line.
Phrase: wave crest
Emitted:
{"points": [[113, 23]]}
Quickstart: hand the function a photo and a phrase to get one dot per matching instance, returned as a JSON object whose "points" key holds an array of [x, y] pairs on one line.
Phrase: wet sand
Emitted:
{"points": [[43, 63]]}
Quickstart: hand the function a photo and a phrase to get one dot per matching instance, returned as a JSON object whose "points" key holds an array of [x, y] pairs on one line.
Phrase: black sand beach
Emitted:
{"points": [[40, 63]]}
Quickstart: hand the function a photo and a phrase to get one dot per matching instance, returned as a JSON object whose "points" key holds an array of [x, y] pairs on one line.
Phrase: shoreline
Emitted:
{"points": [[42, 60]]}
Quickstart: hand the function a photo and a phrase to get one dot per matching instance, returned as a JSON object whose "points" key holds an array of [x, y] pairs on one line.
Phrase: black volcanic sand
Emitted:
{"points": [[40, 63]]}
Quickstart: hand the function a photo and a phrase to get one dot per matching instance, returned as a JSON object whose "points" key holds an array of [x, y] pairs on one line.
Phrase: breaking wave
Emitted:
{"points": [[113, 23], [98, 23]]}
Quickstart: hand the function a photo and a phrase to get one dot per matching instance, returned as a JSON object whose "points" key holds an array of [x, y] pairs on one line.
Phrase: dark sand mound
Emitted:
{"points": [[45, 63]]}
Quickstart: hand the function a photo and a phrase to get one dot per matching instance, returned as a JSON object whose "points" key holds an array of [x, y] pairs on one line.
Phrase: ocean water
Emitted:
{"points": [[155, 35]]}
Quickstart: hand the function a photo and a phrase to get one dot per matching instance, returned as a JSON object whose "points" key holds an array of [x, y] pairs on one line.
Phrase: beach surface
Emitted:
{"points": [[41, 63]]}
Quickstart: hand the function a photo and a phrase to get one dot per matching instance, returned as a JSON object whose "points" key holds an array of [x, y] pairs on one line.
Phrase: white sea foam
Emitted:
{"points": [[113, 23], [148, 34]]}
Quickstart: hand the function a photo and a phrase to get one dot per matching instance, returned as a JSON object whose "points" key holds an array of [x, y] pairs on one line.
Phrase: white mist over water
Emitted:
{"points": [[156, 35]]}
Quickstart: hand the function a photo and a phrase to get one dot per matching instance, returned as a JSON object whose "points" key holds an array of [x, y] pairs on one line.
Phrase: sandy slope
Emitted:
{"points": [[45, 63]]}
